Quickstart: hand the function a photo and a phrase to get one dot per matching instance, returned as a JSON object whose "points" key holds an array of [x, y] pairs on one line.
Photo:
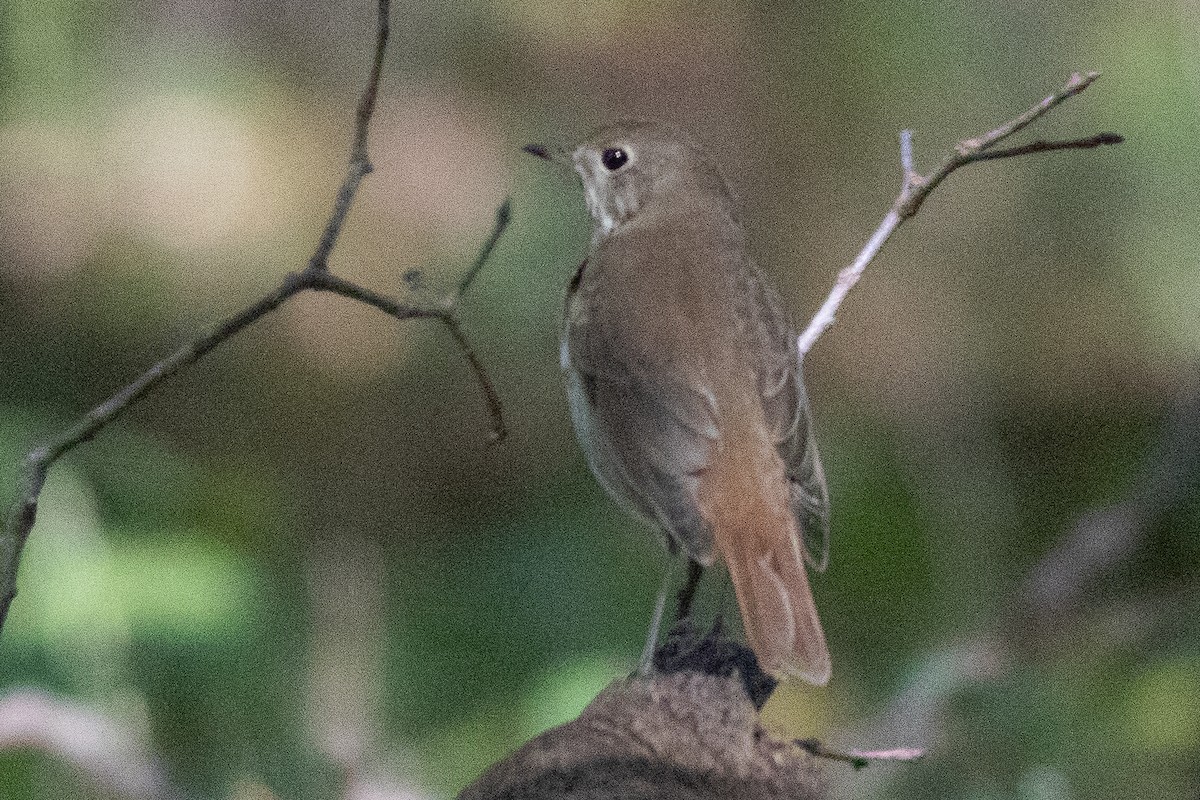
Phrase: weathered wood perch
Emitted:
{"points": [[689, 730]]}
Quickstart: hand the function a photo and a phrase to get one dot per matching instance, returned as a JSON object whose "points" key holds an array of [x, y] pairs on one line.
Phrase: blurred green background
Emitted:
{"points": [[298, 567]]}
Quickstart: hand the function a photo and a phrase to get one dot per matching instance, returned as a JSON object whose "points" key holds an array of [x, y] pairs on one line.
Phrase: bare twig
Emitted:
{"points": [[503, 215], [490, 395], [360, 163], [316, 276], [859, 758], [1042, 146], [916, 187]]}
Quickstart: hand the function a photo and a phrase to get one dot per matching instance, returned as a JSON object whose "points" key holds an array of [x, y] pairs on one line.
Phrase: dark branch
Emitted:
{"points": [[360, 163], [503, 215], [490, 395], [316, 276], [1041, 146]]}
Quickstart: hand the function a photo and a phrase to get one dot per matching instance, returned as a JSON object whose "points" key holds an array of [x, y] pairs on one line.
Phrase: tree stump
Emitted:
{"points": [[688, 730]]}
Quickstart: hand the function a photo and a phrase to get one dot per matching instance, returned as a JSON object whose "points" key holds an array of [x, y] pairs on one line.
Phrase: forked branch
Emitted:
{"points": [[316, 276], [916, 187]]}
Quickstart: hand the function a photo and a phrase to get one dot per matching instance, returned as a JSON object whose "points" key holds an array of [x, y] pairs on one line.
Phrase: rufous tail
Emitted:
{"points": [[743, 496]]}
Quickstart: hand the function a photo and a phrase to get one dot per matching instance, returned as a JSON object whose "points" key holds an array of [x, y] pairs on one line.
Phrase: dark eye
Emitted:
{"points": [[614, 158]]}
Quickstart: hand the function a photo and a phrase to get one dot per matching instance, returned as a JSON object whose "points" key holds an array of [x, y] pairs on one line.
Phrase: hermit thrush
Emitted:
{"points": [[685, 386]]}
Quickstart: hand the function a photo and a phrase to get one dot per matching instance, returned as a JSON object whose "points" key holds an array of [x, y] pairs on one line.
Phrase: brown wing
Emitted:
{"points": [[785, 406]]}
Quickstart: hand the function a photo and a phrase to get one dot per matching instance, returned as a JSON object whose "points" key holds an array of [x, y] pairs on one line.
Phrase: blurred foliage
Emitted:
{"points": [[299, 558]]}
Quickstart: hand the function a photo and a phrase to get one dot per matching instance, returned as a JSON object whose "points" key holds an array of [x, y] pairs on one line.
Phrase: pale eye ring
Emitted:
{"points": [[614, 158]]}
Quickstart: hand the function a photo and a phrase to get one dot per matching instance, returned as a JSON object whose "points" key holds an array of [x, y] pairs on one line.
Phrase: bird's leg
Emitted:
{"points": [[688, 593], [645, 662]]}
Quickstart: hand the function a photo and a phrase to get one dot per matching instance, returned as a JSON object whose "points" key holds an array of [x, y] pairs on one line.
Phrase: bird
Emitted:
{"points": [[685, 384]]}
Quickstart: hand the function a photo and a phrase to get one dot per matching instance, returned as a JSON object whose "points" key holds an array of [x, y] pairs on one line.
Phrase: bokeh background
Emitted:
{"points": [[299, 569]]}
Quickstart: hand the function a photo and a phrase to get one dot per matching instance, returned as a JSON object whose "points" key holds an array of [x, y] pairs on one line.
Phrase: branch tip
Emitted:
{"points": [[858, 759], [1078, 82], [917, 187], [491, 397], [906, 154], [503, 217]]}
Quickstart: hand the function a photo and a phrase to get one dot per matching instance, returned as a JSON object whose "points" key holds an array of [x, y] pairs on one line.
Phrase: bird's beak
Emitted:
{"points": [[556, 156]]}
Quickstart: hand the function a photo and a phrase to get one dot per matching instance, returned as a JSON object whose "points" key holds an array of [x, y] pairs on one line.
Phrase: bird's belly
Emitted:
{"points": [[597, 449]]}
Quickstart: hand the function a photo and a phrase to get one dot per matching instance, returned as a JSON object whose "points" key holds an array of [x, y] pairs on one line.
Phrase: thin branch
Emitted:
{"points": [[906, 156], [366, 103], [846, 281], [1076, 84], [503, 215], [916, 187], [315, 277], [1042, 146], [360, 163], [490, 395], [859, 758]]}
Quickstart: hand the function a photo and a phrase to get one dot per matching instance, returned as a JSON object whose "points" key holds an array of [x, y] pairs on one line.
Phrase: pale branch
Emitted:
{"points": [[846, 281], [107, 748], [916, 187], [859, 758], [316, 276], [907, 165]]}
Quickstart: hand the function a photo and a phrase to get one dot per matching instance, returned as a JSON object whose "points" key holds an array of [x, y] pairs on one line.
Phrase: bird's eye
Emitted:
{"points": [[614, 158]]}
